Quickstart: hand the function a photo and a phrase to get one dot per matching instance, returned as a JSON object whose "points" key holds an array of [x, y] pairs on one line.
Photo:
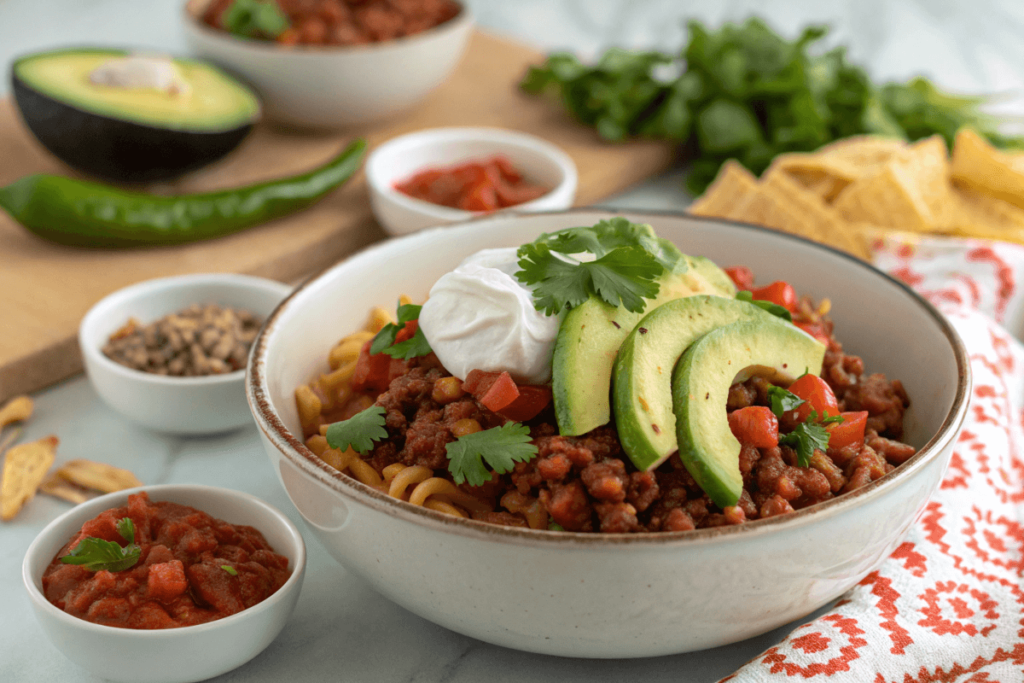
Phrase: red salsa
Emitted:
{"points": [[485, 185], [193, 568]]}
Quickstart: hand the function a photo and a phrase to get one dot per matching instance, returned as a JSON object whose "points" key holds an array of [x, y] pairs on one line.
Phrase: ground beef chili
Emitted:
{"points": [[179, 580], [348, 22], [587, 483]]}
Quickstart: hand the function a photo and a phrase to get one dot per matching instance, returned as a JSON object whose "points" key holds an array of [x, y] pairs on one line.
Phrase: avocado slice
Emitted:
{"points": [[131, 133], [642, 376], [700, 389], [590, 336]]}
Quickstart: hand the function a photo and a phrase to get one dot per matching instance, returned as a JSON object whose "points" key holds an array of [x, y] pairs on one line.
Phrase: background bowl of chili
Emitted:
{"points": [[332, 86], [173, 655], [401, 159], [180, 405], [613, 595]]}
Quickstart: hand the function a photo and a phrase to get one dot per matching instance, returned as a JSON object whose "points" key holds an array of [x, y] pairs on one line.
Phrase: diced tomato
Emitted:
{"points": [[849, 431], [741, 276], [816, 331], [481, 197], [501, 394], [817, 396], [532, 399], [372, 372], [408, 331], [755, 425], [779, 292], [478, 381]]}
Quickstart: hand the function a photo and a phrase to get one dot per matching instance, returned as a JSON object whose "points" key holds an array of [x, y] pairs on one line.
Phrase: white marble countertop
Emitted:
{"points": [[341, 629]]}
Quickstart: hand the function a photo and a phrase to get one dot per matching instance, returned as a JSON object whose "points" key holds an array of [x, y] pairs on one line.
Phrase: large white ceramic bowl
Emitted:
{"points": [[400, 158], [329, 87], [176, 405], [176, 655], [608, 595]]}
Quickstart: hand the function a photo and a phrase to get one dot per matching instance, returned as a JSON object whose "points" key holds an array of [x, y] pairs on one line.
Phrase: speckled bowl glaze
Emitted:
{"points": [[609, 595]]}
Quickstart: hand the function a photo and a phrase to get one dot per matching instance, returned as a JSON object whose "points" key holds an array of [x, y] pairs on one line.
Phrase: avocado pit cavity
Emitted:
{"points": [[141, 72]]}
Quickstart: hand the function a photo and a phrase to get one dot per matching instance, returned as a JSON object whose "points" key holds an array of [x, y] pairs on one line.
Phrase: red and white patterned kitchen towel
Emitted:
{"points": [[948, 605]]}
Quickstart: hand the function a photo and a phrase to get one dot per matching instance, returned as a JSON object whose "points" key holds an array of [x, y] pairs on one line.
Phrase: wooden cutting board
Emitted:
{"points": [[45, 289]]}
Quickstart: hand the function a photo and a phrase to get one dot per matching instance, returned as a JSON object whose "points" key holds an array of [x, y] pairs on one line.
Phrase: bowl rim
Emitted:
{"points": [[442, 134], [464, 19], [294, 449], [166, 492], [141, 290]]}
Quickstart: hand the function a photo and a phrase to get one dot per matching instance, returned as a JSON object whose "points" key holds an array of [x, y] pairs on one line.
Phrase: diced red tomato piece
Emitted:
{"points": [[741, 276], [475, 186], [755, 425], [478, 381], [408, 331], [481, 197], [816, 331], [508, 171], [372, 372], [817, 396], [532, 399], [849, 431], [779, 292], [501, 394]]}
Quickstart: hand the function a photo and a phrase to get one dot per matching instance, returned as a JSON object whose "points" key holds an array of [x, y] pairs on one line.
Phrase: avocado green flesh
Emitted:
{"points": [[215, 101], [585, 349], [700, 390], [642, 377]]}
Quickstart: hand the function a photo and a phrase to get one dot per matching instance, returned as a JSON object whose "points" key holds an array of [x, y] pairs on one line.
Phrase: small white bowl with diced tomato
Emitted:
{"points": [[168, 655], [480, 169]]}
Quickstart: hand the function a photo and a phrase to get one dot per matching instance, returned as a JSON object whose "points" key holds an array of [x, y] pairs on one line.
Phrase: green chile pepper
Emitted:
{"points": [[82, 213]]}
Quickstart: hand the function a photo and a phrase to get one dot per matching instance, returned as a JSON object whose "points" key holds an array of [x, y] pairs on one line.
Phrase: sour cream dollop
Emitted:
{"points": [[480, 317]]}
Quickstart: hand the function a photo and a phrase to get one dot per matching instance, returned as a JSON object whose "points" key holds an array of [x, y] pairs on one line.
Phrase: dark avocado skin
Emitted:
{"points": [[118, 150]]}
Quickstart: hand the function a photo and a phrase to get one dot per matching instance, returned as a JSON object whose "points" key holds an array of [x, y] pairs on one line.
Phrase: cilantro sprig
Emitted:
{"points": [[808, 436], [629, 259], [413, 347], [805, 439], [768, 306], [97, 554], [359, 431], [783, 400], [255, 19], [500, 447]]}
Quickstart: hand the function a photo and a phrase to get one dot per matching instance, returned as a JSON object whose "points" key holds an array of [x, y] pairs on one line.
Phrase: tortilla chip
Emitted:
{"points": [[25, 466], [983, 168], [97, 475], [773, 211], [828, 171], [831, 229], [910, 191], [863, 151], [60, 488], [730, 189]]}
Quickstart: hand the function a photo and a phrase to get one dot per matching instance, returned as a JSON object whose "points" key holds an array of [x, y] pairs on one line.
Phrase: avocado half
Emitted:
{"points": [[130, 134]]}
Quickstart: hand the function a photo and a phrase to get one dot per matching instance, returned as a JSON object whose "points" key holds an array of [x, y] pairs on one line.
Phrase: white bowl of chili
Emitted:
{"points": [[613, 595], [141, 654], [334, 86], [534, 162]]}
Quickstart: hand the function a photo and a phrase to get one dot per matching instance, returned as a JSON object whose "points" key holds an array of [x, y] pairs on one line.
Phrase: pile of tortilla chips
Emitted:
{"points": [[848, 192]]}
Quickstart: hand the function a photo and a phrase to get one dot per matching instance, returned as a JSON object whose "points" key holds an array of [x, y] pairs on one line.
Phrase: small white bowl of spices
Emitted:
{"points": [[170, 353]]}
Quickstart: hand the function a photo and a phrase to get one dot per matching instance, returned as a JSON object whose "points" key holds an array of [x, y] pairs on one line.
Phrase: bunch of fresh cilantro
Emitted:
{"points": [[743, 92]]}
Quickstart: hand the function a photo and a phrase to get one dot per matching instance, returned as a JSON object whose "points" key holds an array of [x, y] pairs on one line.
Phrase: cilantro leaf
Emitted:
{"points": [[805, 439], [555, 526], [500, 447], [783, 400], [415, 346], [624, 276], [768, 306], [96, 554], [229, 569], [359, 431], [255, 19]]}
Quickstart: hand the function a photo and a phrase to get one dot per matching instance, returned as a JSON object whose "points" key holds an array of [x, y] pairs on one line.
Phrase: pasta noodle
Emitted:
{"points": [[330, 398]]}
